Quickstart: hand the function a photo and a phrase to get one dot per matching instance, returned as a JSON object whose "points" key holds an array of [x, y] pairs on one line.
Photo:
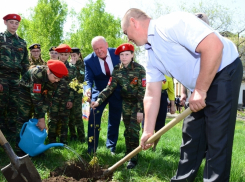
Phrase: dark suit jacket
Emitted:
{"points": [[95, 78]]}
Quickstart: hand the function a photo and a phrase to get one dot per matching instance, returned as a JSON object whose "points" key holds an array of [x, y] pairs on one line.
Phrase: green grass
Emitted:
{"points": [[152, 166]]}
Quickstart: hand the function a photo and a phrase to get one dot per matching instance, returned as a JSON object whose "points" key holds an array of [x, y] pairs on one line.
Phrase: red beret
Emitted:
{"points": [[124, 47], [63, 48], [12, 17], [58, 68]]}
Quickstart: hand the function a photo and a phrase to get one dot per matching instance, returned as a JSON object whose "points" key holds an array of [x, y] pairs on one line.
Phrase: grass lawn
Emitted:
{"points": [[152, 166]]}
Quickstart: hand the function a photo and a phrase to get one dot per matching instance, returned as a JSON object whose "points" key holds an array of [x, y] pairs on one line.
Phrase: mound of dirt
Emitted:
{"points": [[77, 172]]}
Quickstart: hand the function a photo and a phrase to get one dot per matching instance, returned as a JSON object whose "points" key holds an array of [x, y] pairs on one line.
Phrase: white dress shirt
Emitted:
{"points": [[109, 62], [173, 40]]}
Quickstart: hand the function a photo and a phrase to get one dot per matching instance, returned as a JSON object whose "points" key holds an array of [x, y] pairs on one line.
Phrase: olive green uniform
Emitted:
{"points": [[76, 111], [13, 63], [58, 112], [39, 61], [132, 92]]}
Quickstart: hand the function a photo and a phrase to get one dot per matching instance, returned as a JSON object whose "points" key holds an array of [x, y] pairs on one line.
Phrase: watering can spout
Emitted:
{"points": [[41, 148]]}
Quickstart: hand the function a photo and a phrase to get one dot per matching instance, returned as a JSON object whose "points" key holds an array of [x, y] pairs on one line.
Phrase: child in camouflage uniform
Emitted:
{"points": [[35, 57], [131, 77], [13, 63], [37, 86], [76, 111], [63, 99], [52, 53]]}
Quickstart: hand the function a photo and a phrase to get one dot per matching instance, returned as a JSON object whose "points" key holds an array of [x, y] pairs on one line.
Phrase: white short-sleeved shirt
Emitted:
{"points": [[173, 39], [109, 62]]}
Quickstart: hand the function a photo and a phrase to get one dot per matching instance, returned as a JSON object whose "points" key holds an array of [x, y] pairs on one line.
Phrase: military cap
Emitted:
{"points": [[12, 17], [63, 48], [124, 47], [203, 17], [57, 67], [75, 50], [52, 48], [35, 46]]}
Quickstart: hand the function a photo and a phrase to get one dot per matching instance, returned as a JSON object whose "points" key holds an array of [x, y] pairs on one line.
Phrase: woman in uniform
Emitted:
{"points": [[76, 111], [35, 55]]}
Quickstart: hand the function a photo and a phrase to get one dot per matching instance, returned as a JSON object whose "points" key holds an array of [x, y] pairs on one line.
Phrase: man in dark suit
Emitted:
{"points": [[98, 69]]}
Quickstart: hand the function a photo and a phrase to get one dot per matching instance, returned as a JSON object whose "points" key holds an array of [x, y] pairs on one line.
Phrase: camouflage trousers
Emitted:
{"points": [[25, 110], [132, 127], [75, 118], [9, 106], [58, 113]]}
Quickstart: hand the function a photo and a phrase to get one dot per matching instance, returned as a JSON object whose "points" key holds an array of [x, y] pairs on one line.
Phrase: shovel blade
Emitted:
{"points": [[26, 172]]}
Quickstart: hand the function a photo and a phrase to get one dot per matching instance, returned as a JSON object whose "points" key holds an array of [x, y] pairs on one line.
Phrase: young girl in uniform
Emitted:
{"points": [[131, 77], [75, 118]]}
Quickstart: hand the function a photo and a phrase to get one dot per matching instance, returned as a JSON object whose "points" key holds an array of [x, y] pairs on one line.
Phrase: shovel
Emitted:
{"points": [[21, 169], [168, 126]]}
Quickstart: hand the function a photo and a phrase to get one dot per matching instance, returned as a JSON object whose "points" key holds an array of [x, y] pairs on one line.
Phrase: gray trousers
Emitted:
{"points": [[209, 133]]}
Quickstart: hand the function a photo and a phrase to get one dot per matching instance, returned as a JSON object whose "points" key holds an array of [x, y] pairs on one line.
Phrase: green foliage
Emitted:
{"points": [[93, 20], [44, 25]]}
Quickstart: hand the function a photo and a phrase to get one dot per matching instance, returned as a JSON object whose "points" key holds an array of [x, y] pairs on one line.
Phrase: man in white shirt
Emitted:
{"points": [[98, 69], [184, 47]]}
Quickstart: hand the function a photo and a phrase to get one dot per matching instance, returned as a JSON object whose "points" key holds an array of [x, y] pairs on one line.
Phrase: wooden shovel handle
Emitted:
{"points": [[168, 126], [2, 139]]}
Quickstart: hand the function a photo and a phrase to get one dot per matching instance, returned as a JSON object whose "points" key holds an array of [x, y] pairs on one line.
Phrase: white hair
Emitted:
{"points": [[97, 38]]}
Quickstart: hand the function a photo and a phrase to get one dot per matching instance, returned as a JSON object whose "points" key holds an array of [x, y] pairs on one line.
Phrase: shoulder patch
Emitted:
{"points": [[143, 81], [37, 88], [109, 82]]}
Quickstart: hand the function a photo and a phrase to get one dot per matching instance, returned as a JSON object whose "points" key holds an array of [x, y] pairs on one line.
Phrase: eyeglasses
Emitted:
{"points": [[35, 51], [199, 15]]}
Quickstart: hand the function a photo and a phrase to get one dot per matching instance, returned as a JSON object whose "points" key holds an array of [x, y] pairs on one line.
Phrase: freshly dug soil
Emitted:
{"points": [[78, 172]]}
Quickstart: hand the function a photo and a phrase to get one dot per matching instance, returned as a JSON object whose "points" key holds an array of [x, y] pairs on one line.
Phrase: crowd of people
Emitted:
{"points": [[178, 45]]}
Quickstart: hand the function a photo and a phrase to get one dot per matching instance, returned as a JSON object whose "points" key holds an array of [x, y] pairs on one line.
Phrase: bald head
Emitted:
{"points": [[135, 25], [134, 13]]}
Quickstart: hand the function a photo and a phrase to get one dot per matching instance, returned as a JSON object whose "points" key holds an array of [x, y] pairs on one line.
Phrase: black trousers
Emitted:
{"points": [[162, 113], [209, 132]]}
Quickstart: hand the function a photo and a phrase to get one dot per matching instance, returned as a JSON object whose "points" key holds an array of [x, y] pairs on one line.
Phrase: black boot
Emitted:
{"points": [[131, 164]]}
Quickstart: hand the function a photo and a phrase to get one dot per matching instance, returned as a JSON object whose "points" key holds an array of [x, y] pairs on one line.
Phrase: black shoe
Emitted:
{"points": [[131, 164], [83, 141]]}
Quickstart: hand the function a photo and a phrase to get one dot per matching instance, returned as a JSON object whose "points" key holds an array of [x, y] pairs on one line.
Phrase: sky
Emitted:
{"points": [[115, 7]]}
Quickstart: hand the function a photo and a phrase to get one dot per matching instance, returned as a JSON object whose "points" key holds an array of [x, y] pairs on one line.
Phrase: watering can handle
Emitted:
{"points": [[23, 129]]}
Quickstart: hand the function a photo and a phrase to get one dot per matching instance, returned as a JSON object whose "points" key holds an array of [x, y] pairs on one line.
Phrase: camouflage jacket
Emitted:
{"points": [[71, 74], [39, 61], [131, 79], [13, 56], [41, 89], [80, 68]]}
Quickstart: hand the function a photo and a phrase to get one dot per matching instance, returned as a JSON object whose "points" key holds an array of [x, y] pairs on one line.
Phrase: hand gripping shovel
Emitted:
{"points": [[21, 169], [150, 140]]}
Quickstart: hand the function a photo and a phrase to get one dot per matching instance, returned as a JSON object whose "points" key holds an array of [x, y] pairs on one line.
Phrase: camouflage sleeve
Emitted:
{"points": [[80, 71], [36, 96], [71, 95], [141, 90], [112, 85], [25, 63]]}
